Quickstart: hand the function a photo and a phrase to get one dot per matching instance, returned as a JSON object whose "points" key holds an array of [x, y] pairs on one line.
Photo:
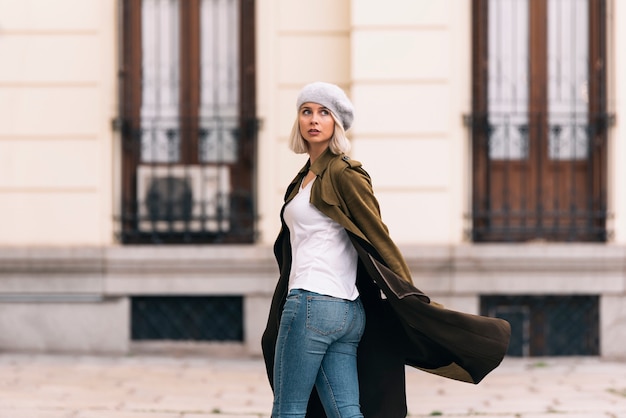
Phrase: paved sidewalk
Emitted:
{"points": [[158, 386]]}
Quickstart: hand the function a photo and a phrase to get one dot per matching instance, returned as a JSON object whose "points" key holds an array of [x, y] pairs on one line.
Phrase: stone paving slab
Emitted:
{"points": [[171, 386]]}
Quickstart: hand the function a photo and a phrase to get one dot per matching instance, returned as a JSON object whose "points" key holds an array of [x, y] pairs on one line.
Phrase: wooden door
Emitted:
{"points": [[539, 120]]}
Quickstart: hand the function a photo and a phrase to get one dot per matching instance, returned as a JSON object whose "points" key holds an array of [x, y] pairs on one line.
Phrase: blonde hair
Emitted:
{"points": [[339, 143]]}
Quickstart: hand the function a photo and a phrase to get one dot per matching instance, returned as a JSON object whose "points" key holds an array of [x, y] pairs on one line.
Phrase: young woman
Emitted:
{"points": [[323, 318], [323, 357]]}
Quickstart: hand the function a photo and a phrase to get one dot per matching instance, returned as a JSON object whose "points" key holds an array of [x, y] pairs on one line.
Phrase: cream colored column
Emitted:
{"points": [[57, 99], [267, 140], [297, 43], [410, 85], [109, 155]]}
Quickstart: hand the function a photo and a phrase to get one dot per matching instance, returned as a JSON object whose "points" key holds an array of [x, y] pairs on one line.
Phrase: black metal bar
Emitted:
{"points": [[566, 217]]}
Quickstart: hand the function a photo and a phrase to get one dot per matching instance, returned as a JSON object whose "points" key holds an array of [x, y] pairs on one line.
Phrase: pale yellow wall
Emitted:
{"points": [[57, 99], [298, 42], [410, 86], [405, 64]]}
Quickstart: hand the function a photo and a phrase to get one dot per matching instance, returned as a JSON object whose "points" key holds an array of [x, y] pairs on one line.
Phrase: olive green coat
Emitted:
{"points": [[405, 328]]}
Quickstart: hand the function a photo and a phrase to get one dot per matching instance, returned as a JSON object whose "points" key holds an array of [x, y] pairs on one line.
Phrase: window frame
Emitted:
{"points": [[242, 215]]}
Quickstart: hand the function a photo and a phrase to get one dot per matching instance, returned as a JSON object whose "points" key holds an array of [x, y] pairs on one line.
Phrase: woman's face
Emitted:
{"points": [[317, 126]]}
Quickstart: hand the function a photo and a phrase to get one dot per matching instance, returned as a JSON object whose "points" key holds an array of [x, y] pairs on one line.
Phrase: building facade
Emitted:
{"points": [[143, 161]]}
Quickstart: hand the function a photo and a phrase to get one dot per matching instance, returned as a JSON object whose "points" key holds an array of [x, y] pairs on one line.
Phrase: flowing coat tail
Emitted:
{"points": [[445, 342]]}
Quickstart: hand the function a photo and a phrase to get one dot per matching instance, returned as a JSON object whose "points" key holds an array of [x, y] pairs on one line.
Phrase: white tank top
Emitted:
{"points": [[323, 258]]}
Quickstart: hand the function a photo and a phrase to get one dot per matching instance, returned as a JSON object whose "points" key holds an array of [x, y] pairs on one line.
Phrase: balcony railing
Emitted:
{"points": [[187, 185], [539, 177]]}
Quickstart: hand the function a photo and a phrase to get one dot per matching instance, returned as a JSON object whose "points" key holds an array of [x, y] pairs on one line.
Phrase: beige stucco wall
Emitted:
{"points": [[57, 100], [410, 87], [408, 76], [293, 48], [405, 64]]}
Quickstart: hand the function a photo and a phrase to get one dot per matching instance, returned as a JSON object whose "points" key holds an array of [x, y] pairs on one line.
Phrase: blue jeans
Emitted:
{"points": [[316, 346]]}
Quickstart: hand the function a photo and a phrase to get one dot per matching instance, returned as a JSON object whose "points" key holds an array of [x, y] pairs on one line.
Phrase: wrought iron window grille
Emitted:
{"points": [[521, 203]]}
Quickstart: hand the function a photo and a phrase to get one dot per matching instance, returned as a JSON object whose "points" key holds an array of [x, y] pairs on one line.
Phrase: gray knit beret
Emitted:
{"points": [[330, 96]]}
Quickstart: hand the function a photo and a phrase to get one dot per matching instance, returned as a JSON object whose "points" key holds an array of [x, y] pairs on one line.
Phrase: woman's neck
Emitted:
{"points": [[315, 152]]}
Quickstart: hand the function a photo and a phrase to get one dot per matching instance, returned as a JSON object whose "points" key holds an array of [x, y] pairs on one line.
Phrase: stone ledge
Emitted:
{"points": [[190, 259], [135, 270], [251, 269], [53, 260], [517, 257]]}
